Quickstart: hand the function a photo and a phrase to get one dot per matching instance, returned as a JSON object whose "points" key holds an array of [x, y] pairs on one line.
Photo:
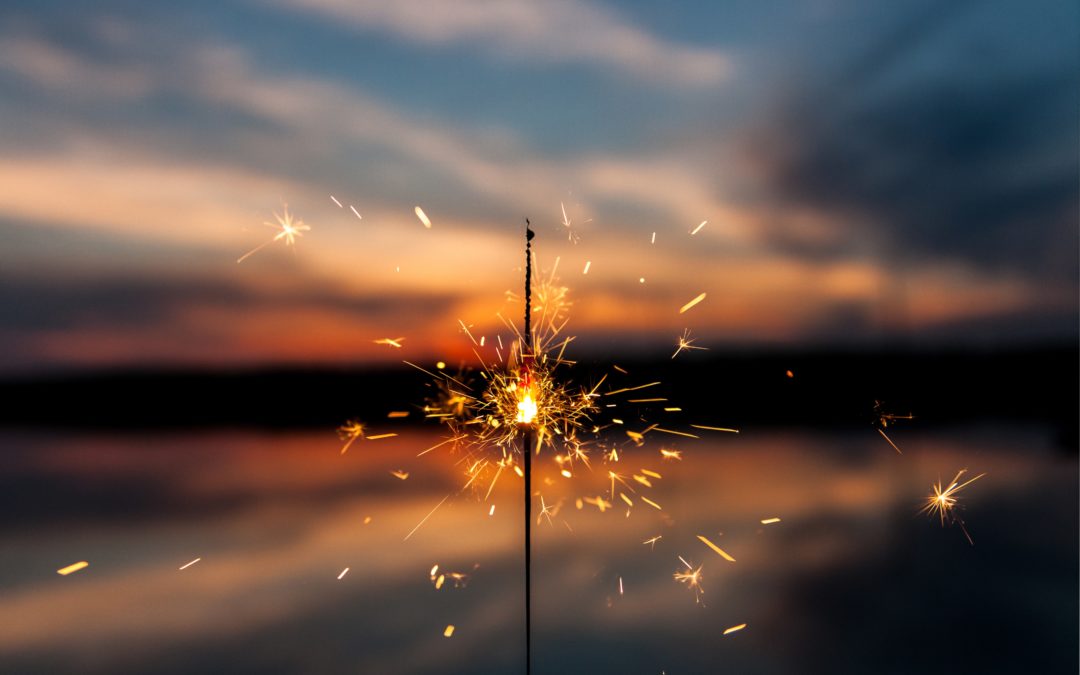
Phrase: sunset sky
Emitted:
{"points": [[870, 174]]}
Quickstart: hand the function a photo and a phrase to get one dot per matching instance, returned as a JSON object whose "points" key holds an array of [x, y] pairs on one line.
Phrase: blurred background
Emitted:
{"points": [[880, 202]]}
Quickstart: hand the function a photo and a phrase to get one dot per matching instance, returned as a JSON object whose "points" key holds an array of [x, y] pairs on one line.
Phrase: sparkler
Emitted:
{"points": [[943, 502], [289, 231], [527, 413], [519, 405]]}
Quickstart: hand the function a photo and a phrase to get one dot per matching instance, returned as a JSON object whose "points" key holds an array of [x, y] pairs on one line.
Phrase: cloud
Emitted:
{"points": [[558, 31], [963, 164]]}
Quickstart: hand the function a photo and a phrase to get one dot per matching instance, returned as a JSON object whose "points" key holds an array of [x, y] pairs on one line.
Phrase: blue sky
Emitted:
{"points": [[870, 172]]}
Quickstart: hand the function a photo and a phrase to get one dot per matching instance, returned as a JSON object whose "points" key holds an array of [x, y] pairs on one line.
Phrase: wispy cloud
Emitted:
{"points": [[557, 31]]}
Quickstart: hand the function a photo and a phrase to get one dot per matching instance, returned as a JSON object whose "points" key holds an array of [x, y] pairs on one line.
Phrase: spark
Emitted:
{"points": [[641, 280], [770, 521], [343, 573], [289, 231], [671, 454], [418, 525], [620, 586], [367, 520], [652, 542], [653, 238], [423, 217], [187, 565], [397, 414], [691, 578], [943, 502], [690, 304], [391, 342], [884, 419], [459, 578], [599, 502], [74, 567], [378, 436], [651, 503], [702, 426], [890, 442], [790, 374], [450, 627], [336, 201], [349, 432], [547, 511], [698, 228], [570, 234], [492, 511], [588, 264], [685, 342], [402, 475], [674, 433], [734, 629], [355, 212], [723, 554], [626, 389]]}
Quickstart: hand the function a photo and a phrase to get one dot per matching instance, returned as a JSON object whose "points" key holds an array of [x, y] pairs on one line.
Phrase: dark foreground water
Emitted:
{"points": [[851, 580]]}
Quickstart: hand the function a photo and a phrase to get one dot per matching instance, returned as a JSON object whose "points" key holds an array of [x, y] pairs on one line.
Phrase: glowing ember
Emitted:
{"points": [[734, 629]]}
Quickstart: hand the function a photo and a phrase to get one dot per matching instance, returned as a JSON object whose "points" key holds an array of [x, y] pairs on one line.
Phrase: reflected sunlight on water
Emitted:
{"points": [[843, 583]]}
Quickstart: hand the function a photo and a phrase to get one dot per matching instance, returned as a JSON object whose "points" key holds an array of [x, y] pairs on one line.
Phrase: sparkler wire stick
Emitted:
{"points": [[526, 359]]}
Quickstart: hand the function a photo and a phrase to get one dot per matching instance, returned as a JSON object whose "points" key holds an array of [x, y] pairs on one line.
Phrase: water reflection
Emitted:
{"points": [[850, 580]]}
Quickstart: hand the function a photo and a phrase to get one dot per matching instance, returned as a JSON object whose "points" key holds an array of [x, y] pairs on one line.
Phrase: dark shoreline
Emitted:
{"points": [[827, 389]]}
